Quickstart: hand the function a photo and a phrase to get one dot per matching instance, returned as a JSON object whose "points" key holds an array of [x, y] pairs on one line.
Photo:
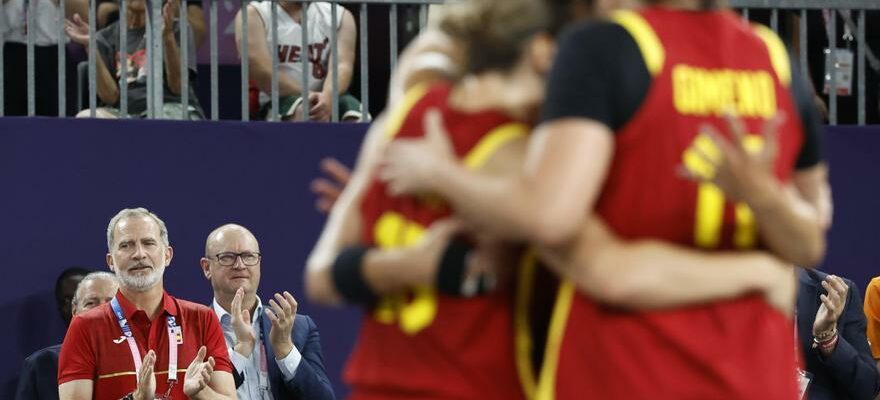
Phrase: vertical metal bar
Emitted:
{"points": [[745, 14], [62, 62], [245, 61], [802, 28], [2, 62], [832, 60], [159, 58], [365, 67], [423, 16], [306, 60], [93, 51], [123, 59], [392, 22], [334, 63], [215, 80], [150, 55], [31, 63], [861, 63], [273, 49], [183, 47], [774, 20]]}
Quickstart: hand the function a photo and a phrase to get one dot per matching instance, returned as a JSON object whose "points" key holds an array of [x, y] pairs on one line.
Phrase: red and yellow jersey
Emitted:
{"points": [[702, 64], [424, 344]]}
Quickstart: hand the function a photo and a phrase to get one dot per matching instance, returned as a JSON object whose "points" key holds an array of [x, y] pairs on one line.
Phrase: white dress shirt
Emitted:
{"points": [[251, 388]]}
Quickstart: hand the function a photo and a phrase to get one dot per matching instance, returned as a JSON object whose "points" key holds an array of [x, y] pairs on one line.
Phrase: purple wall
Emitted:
{"points": [[62, 180]]}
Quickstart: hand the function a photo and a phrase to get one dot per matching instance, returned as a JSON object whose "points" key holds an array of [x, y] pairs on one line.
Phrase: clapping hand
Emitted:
{"points": [[245, 338], [282, 313], [77, 30], [146, 384], [198, 374], [832, 304]]}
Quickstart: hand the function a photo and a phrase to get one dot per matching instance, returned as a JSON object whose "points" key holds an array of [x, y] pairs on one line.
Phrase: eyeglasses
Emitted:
{"points": [[249, 259]]}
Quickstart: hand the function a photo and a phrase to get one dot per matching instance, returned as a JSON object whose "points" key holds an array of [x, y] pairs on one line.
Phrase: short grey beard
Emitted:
{"points": [[139, 283]]}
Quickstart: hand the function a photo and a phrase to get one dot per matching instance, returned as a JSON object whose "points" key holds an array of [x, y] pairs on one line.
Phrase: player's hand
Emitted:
{"points": [[282, 313], [320, 106], [407, 165], [780, 284], [146, 386], [328, 189], [245, 338], [198, 374], [832, 304], [744, 172], [77, 30]]}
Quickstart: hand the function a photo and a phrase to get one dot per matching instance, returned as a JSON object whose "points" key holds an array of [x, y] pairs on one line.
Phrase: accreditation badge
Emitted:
{"points": [[840, 64], [804, 378]]}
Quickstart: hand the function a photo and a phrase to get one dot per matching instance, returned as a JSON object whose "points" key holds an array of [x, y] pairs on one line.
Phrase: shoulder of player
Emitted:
{"points": [[598, 31]]}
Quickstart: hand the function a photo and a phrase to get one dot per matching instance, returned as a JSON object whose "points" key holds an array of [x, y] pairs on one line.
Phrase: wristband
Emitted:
{"points": [[450, 273], [347, 276]]}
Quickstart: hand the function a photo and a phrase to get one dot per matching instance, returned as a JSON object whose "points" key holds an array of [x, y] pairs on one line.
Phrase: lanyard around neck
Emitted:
{"points": [[173, 332]]}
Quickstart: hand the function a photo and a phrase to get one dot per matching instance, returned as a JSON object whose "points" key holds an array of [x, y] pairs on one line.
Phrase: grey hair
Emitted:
{"points": [[135, 212], [92, 277]]}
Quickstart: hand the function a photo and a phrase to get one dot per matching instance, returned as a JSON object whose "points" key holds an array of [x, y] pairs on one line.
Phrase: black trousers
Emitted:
{"points": [[46, 79]]}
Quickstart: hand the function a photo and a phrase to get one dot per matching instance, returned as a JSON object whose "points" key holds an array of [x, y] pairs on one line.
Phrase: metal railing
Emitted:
{"points": [[155, 54], [838, 8]]}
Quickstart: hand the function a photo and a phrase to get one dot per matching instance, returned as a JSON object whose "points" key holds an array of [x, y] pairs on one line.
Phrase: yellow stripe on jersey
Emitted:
{"points": [[523, 332], [492, 141], [399, 113], [650, 46], [778, 54], [561, 310], [124, 373]]}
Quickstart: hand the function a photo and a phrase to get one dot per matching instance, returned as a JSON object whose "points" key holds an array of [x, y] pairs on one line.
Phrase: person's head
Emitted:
{"points": [[95, 289], [137, 6], [65, 288], [138, 248], [232, 260], [499, 35]]}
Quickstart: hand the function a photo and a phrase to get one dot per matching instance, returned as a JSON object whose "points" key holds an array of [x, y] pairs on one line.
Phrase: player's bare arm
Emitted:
{"points": [[344, 223], [635, 274]]}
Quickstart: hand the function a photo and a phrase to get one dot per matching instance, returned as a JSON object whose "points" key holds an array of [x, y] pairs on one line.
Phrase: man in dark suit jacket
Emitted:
{"points": [[39, 375], [274, 350], [831, 328]]}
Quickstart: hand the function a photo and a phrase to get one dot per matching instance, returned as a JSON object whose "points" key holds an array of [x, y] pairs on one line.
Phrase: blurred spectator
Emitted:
{"points": [[831, 329], [39, 375], [108, 73], [65, 288], [108, 13], [290, 86], [14, 30]]}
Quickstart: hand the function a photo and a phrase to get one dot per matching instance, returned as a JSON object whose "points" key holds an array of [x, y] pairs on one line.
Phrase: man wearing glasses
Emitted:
{"points": [[276, 353]]}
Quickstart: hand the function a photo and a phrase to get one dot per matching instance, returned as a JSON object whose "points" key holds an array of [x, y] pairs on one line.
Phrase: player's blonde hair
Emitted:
{"points": [[495, 32]]}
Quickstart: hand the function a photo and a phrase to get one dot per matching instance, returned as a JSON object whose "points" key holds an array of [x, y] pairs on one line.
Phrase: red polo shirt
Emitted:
{"points": [[95, 349]]}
